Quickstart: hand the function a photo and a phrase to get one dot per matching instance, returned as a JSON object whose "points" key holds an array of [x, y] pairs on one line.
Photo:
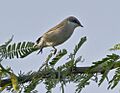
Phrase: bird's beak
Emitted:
{"points": [[81, 25]]}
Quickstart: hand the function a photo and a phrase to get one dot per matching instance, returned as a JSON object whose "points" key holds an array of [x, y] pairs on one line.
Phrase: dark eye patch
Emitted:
{"points": [[75, 21]]}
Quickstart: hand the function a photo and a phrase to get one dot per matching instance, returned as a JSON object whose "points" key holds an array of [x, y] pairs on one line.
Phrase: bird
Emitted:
{"points": [[58, 34]]}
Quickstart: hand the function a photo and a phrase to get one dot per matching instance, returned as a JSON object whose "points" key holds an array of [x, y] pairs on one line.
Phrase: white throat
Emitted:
{"points": [[72, 25]]}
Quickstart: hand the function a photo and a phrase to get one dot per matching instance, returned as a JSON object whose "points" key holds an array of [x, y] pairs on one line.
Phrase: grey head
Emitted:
{"points": [[74, 20]]}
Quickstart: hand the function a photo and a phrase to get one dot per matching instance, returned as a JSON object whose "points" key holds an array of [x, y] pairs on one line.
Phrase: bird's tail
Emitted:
{"points": [[38, 40], [39, 44]]}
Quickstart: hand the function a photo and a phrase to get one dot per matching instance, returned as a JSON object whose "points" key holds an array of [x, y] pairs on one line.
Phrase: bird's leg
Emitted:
{"points": [[55, 50], [40, 51]]}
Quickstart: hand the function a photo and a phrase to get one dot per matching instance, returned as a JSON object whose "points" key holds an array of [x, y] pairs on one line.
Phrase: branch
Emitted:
{"points": [[46, 74], [63, 74]]}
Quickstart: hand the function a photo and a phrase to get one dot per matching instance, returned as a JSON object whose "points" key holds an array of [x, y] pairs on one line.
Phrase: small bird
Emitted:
{"points": [[58, 34]]}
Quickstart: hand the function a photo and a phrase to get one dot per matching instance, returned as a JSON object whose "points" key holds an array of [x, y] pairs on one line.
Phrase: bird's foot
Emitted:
{"points": [[54, 51], [40, 51]]}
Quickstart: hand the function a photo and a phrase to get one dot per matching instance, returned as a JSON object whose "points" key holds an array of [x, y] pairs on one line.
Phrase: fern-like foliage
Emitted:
{"points": [[3, 46], [19, 50], [6, 43], [108, 63], [51, 75], [115, 47], [59, 55], [115, 80], [78, 46]]}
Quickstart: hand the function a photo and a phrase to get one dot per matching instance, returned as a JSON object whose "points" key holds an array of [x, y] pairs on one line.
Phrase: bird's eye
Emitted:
{"points": [[76, 21]]}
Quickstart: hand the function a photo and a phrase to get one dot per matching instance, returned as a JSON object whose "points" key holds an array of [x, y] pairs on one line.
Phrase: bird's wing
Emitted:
{"points": [[59, 26], [52, 35], [51, 31]]}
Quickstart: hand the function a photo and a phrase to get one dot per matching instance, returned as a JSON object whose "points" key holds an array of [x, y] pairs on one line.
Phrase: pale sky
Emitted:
{"points": [[28, 19]]}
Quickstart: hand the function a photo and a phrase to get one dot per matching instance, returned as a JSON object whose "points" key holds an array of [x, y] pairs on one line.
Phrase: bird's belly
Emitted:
{"points": [[59, 39]]}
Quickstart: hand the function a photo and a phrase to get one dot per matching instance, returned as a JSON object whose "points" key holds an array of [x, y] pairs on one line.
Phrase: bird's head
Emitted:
{"points": [[74, 21]]}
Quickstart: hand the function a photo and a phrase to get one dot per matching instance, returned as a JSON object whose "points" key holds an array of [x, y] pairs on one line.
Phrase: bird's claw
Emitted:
{"points": [[54, 51], [40, 51]]}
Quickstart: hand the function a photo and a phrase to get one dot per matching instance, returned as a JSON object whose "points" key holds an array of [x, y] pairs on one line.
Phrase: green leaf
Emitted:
{"points": [[58, 57], [115, 47], [18, 50], [14, 81], [78, 46]]}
